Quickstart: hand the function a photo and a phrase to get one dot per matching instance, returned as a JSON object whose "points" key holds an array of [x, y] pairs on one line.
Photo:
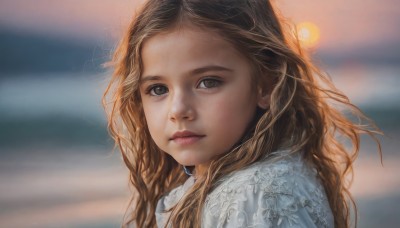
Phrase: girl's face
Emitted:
{"points": [[197, 94]]}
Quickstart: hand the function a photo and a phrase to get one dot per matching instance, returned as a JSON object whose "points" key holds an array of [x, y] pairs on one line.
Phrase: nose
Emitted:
{"points": [[181, 107]]}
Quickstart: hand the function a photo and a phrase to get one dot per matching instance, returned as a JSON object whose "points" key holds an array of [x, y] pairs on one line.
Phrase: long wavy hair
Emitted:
{"points": [[304, 109]]}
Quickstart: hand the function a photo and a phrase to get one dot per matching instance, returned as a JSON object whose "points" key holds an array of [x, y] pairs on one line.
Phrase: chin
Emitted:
{"points": [[190, 161], [187, 162]]}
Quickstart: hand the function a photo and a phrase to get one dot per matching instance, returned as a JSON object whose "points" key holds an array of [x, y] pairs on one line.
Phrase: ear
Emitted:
{"points": [[263, 99]]}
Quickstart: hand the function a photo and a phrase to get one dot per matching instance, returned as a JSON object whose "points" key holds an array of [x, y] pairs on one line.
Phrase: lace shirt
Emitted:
{"points": [[278, 193]]}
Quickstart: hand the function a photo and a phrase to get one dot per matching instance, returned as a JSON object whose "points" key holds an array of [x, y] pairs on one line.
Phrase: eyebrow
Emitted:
{"points": [[195, 71], [210, 68]]}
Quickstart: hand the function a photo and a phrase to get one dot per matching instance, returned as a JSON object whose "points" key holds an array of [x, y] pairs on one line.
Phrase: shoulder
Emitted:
{"points": [[271, 193], [169, 200]]}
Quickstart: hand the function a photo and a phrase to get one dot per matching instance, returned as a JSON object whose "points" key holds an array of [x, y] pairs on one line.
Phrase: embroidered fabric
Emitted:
{"points": [[282, 192]]}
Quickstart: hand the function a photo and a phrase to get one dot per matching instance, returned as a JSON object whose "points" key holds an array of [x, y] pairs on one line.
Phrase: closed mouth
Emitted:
{"points": [[185, 134]]}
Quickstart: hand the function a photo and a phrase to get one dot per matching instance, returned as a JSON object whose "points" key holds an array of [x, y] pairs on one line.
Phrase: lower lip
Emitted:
{"points": [[187, 140]]}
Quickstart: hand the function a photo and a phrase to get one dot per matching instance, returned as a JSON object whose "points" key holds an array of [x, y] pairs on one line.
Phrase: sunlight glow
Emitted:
{"points": [[308, 34]]}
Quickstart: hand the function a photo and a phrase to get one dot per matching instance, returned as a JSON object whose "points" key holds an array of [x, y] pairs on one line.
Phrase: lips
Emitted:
{"points": [[186, 137]]}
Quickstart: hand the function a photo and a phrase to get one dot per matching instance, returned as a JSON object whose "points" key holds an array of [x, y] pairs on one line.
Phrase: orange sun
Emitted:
{"points": [[308, 34]]}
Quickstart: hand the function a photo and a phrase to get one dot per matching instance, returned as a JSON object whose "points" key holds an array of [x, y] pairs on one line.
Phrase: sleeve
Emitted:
{"points": [[281, 203]]}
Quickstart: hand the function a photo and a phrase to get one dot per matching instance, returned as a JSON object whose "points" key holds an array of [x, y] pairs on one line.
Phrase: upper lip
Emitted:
{"points": [[185, 133]]}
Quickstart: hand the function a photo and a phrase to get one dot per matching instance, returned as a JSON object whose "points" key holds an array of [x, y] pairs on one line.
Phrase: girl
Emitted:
{"points": [[223, 121]]}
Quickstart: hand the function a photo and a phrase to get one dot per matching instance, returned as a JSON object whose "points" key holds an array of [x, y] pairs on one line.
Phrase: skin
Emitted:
{"points": [[195, 80]]}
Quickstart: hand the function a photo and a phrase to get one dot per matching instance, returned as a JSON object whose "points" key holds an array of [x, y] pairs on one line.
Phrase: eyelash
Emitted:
{"points": [[150, 89], [217, 81]]}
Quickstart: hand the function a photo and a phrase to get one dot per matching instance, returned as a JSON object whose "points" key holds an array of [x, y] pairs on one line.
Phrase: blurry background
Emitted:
{"points": [[56, 165]]}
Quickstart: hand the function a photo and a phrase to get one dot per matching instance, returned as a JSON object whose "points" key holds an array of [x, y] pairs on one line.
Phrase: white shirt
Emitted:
{"points": [[270, 193]]}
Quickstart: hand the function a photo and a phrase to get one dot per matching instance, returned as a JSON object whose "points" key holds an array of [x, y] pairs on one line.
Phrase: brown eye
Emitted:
{"points": [[209, 83], [158, 90]]}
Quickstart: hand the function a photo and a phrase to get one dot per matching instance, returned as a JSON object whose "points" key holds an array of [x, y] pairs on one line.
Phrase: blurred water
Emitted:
{"points": [[72, 95], [369, 86], [75, 188], [56, 169]]}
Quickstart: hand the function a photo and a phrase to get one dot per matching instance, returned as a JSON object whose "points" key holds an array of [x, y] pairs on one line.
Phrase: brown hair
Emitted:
{"points": [[304, 108]]}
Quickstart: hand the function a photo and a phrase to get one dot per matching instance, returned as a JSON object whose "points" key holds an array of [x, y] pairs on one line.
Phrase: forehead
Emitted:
{"points": [[188, 47]]}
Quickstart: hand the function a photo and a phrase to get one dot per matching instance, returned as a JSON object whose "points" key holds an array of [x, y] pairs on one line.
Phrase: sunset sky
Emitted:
{"points": [[342, 24]]}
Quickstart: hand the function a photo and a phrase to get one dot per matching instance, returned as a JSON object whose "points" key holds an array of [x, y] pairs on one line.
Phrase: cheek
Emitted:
{"points": [[154, 119], [232, 111]]}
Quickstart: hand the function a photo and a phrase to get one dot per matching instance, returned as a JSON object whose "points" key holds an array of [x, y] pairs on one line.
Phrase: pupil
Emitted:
{"points": [[210, 83], [159, 90]]}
